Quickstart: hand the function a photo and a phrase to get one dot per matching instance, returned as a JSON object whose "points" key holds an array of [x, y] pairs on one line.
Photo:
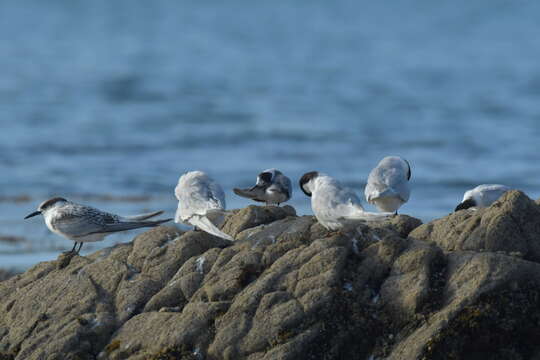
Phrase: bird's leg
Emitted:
{"points": [[80, 247], [65, 258]]}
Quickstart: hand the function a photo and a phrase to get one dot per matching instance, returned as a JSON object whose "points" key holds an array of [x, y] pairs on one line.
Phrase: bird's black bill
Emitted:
{"points": [[469, 203], [35, 213]]}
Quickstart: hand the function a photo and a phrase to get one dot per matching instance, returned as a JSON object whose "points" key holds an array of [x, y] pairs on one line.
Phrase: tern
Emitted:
{"points": [[334, 205], [388, 184], [198, 196], [81, 223], [482, 196], [271, 187]]}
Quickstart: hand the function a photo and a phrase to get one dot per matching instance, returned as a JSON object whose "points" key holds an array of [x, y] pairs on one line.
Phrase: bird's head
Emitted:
{"points": [[46, 206], [306, 182], [267, 177]]}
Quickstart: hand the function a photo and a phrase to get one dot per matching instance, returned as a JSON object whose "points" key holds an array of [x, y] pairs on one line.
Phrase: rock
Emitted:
{"points": [[289, 289], [510, 225], [403, 224], [253, 216], [413, 285], [490, 310]]}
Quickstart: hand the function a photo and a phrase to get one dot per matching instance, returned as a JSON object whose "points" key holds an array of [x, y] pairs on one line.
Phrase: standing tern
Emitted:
{"points": [[198, 196], [388, 184], [271, 187], [81, 223], [334, 205]]}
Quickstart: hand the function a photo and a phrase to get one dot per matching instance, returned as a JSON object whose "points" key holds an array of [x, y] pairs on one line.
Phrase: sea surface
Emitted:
{"points": [[109, 102]]}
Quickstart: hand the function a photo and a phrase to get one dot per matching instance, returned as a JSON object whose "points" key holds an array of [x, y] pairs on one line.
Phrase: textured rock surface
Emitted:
{"points": [[510, 225], [463, 287], [6, 274]]}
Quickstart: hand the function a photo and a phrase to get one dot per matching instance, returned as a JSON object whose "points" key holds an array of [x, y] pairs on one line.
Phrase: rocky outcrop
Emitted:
{"points": [[463, 287]]}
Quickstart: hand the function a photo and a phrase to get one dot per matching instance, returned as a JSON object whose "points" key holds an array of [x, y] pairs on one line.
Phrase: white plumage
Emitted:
{"points": [[388, 184], [198, 196], [482, 196], [334, 205]]}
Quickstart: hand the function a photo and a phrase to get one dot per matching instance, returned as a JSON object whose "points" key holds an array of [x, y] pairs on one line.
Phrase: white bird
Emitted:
{"points": [[271, 187], [388, 184], [482, 196], [334, 205], [81, 223], [198, 196]]}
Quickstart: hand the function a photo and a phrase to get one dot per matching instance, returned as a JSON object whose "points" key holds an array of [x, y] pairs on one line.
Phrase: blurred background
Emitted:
{"points": [[109, 102]]}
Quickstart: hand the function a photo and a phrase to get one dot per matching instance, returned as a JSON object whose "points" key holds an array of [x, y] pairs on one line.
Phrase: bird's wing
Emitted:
{"points": [[345, 204], [216, 195], [286, 185], [203, 223], [142, 216], [374, 190], [491, 193], [198, 197], [82, 220], [387, 182], [122, 226], [402, 189], [332, 201]]}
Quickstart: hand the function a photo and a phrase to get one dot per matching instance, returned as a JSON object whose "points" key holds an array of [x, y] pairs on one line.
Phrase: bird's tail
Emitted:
{"points": [[203, 223], [129, 225], [142, 217]]}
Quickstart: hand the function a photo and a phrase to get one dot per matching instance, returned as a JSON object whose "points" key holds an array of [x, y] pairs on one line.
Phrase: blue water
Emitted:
{"points": [[109, 102]]}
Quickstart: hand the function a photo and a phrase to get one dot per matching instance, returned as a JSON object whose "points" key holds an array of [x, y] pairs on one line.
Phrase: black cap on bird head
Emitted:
{"points": [[45, 205], [306, 178], [469, 203], [265, 177]]}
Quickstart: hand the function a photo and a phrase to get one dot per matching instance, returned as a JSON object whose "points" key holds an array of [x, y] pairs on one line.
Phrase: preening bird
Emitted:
{"points": [[334, 205], [198, 196], [482, 196], [388, 184], [81, 223], [271, 187]]}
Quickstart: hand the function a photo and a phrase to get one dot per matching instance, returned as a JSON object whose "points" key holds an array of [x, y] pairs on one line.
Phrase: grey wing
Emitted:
{"points": [[402, 189], [384, 182], [217, 195], [286, 185], [198, 199], [373, 189], [351, 203], [338, 202], [492, 193], [83, 220]]}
